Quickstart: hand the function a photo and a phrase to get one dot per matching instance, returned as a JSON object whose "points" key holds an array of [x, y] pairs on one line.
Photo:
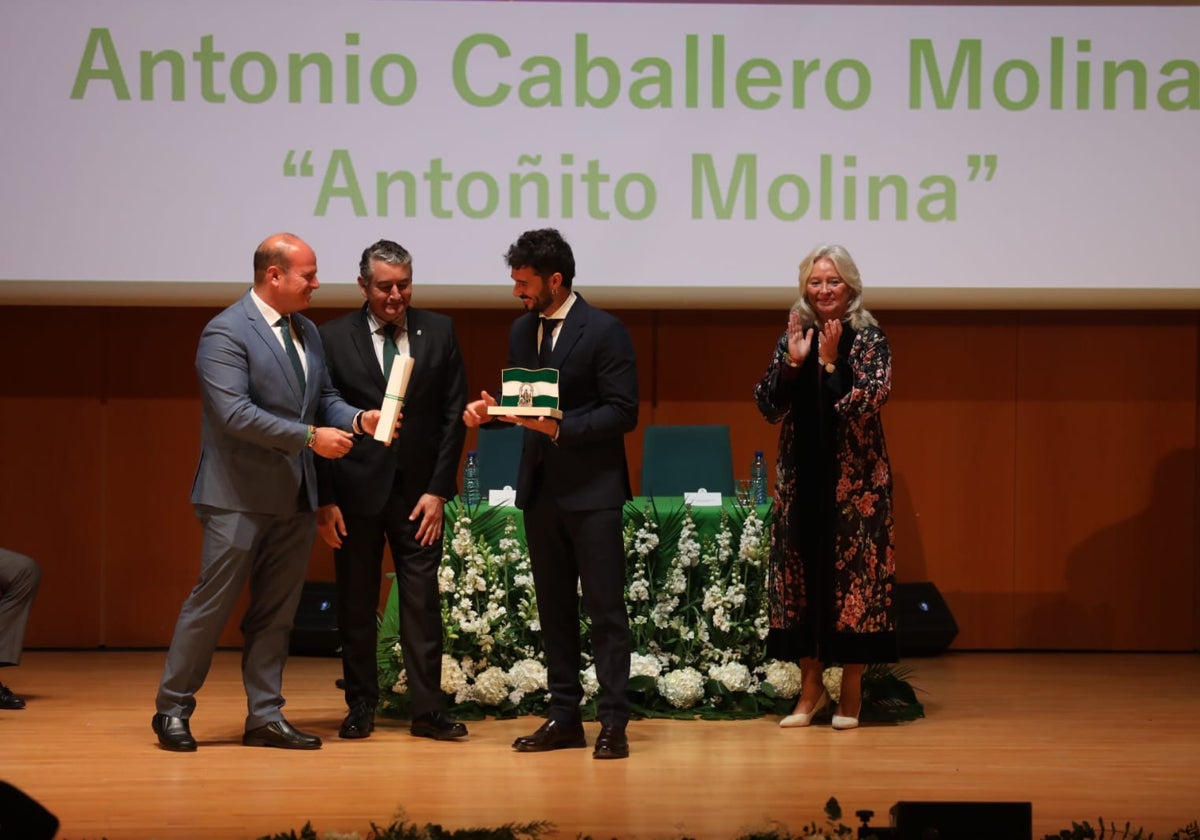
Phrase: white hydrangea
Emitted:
{"points": [[453, 678], [401, 685], [590, 683], [832, 678], [527, 675], [644, 665], [683, 688], [491, 687], [784, 677], [733, 675]]}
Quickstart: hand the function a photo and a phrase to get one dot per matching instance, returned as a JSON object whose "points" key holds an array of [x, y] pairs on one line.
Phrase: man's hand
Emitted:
{"points": [[330, 525], [429, 510], [370, 422], [546, 425], [475, 413], [329, 442]]}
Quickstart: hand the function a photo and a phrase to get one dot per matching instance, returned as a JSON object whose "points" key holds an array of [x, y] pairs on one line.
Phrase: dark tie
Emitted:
{"points": [[388, 331], [288, 344], [548, 325]]}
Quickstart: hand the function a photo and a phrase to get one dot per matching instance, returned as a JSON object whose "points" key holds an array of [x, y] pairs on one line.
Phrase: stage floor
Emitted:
{"points": [[1081, 736]]}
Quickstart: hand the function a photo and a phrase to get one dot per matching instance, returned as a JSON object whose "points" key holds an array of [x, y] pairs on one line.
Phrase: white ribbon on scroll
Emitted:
{"points": [[393, 398]]}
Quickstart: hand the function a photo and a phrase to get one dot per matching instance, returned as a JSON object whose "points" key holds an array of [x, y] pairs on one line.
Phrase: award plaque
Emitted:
{"points": [[528, 393]]}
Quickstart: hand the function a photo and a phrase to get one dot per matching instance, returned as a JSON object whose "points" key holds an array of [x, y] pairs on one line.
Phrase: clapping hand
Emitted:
{"points": [[799, 339]]}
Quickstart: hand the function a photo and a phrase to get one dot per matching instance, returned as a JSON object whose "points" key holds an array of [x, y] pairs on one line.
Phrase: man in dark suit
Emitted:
{"points": [[572, 485], [393, 493], [263, 388]]}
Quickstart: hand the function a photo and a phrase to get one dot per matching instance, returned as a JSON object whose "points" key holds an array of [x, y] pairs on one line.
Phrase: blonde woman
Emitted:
{"points": [[832, 570]]}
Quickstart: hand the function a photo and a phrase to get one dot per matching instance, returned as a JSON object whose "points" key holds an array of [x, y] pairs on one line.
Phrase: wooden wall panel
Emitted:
{"points": [[707, 366], [950, 426], [52, 460], [1106, 487], [1046, 473]]}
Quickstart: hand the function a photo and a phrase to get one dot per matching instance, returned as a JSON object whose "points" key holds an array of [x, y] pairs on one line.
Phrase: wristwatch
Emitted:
{"points": [[830, 367]]}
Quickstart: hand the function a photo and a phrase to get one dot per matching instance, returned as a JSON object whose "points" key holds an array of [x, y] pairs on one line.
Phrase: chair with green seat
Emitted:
{"points": [[684, 459], [498, 453]]}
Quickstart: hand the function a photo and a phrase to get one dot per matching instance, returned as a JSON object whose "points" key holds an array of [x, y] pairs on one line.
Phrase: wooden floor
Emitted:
{"points": [[1081, 736]]}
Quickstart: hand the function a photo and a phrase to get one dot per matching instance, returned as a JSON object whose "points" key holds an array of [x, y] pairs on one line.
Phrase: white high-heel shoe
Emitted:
{"points": [[805, 719], [844, 721]]}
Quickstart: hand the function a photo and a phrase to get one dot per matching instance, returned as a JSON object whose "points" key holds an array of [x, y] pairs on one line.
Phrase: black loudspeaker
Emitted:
{"points": [[315, 629], [924, 625], [963, 820], [21, 818]]}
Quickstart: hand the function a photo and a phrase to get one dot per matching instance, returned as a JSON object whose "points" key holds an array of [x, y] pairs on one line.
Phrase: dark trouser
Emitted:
{"points": [[359, 564], [573, 551]]}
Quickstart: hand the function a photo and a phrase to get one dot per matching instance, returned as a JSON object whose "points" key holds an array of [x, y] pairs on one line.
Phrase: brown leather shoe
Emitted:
{"points": [[173, 733], [552, 735], [437, 725], [280, 733], [611, 743]]}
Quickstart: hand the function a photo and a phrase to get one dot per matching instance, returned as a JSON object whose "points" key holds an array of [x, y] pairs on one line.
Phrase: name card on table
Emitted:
{"points": [[393, 398], [702, 498], [502, 498]]}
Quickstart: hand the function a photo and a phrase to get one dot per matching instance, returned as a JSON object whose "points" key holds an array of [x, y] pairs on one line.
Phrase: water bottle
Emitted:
{"points": [[470, 488], [758, 479]]}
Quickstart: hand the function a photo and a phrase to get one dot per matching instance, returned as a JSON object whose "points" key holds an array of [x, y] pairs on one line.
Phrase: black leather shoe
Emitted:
{"points": [[360, 723], [552, 735], [437, 725], [281, 734], [8, 700], [611, 743], [173, 733]]}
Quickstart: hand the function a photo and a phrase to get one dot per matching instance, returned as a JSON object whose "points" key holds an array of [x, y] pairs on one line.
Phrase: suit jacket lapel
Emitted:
{"points": [[570, 331], [364, 346], [269, 334], [306, 337], [417, 343]]}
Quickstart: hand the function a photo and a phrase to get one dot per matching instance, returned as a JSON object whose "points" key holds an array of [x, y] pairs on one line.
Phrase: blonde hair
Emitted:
{"points": [[857, 314]]}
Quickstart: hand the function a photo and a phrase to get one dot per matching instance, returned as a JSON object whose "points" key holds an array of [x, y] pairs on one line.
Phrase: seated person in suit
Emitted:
{"points": [[19, 579]]}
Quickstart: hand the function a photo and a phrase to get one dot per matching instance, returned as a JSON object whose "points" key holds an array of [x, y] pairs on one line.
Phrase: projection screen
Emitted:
{"points": [[691, 153]]}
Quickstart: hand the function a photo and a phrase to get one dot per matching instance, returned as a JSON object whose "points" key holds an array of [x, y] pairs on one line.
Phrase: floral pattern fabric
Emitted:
{"points": [[832, 566]]}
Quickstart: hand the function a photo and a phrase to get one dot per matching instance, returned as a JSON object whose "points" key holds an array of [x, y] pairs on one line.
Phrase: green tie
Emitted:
{"points": [[388, 331], [288, 344]]}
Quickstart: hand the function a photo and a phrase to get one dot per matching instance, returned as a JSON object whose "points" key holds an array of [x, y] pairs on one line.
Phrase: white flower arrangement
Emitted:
{"points": [[697, 607], [683, 688], [784, 678]]}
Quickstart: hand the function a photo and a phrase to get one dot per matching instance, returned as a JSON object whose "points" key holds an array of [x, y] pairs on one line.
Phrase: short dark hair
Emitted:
{"points": [[385, 251], [546, 252]]}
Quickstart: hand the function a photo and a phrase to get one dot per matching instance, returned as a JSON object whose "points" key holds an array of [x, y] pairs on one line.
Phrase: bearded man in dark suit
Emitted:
{"points": [[394, 494], [572, 485]]}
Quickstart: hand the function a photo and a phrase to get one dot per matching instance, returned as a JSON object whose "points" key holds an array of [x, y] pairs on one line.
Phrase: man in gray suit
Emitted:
{"points": [[268, 405]]}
